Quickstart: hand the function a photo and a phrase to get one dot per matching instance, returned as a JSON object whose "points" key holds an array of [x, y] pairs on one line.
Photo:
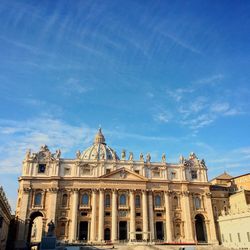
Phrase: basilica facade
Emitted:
{"points": [[98, 197]]}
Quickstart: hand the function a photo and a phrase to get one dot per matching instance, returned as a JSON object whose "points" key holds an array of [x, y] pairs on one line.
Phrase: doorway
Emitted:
{"points": [[159, 230], [83, 230], [107, 234], [200, 228], [138, 234], [123, 230]]}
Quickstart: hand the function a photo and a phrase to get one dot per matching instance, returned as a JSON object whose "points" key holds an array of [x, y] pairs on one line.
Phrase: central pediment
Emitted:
{"points": [[123, 174]]}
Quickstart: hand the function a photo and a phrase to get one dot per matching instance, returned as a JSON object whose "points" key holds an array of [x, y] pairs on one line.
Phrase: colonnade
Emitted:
{"points": [[97, 229]]}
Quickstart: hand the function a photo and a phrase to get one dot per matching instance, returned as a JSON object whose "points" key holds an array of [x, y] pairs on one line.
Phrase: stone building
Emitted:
{"points": [[234, 224], [231, 206], [5, 217], [97, 197]]}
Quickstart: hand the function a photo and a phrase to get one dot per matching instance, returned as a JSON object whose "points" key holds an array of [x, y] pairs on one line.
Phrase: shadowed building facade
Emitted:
{"points": [[99, 197]]}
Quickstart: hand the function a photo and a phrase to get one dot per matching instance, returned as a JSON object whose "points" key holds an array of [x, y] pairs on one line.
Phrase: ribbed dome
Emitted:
{"points": [[99, 150]]}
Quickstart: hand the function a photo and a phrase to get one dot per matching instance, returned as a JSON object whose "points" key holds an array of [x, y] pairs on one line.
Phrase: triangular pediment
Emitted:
{"points": [[123, 174]]}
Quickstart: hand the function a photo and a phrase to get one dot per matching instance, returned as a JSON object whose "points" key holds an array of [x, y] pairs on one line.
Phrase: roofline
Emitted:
{"points": [[240, 175]]}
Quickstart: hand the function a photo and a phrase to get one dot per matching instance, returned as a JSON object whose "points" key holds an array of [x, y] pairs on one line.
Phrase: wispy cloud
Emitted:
{"points": [[210, 79], [197, 105], [17, 137], [180, 42], [73, 86], [28, 47], [163, 116], [179, 93]]}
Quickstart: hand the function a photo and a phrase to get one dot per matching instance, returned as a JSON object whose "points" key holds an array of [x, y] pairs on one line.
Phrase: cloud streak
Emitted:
{"points": [[32, 133]]}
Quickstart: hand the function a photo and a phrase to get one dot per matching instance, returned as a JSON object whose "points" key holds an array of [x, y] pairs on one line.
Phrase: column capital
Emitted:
{"points": [[208, 195], [114, 191], [168, 192], [53, 190], [74, 190], [185, 193], [94, 191], [150, 192], [27, 190]]}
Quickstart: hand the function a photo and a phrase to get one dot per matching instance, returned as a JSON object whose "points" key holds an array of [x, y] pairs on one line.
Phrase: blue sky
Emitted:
{"points": [[159, 76]]}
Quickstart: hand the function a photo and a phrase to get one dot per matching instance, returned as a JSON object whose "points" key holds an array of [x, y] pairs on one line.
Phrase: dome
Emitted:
{"points": [[99, 150]]}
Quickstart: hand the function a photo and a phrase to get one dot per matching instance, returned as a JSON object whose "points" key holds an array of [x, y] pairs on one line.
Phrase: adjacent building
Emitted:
{"points": [[98, 196], [5, 217], [231, 205]]}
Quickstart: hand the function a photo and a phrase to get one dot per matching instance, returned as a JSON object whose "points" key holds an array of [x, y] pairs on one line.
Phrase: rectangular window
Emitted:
{"points": [[107, 213], [194, 174], [66, 171], [138, 214], [41, 168], [108, 171], [248, 236], [158, 214], [173, 175], [239, 237], [156, 173], [137, 171], [85, 171]]}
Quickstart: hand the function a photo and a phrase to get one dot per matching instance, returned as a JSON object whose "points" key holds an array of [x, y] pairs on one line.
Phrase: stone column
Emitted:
{"points": [[52, 204], [210, 227], [114, 216], [101, 216], [74, 216], [145, 215], [93, 217], [23, 213], [151, 215], [132, 215], [187, 217], [168, 217]]}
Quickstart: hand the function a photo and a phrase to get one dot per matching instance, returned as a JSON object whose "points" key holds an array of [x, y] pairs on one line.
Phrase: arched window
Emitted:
{"points": [[107, 200], [158, 201], [64, 200], [62, 229], [175, 202], [122, 200], [38, 199], [197, 203], [137, 201], [85, 200]]}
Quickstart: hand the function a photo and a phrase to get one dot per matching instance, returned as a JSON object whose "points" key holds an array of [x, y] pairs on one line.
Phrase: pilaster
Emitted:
{"points": [[168, 217], [145, 215], [151, 215], [132, 215], [101, 216], [114, 216], [74, 215]]}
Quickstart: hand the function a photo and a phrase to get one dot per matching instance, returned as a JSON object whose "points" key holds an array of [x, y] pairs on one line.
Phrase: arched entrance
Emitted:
{"points": [[200, 228], [138, 234], [107, 234], [35, 227]]}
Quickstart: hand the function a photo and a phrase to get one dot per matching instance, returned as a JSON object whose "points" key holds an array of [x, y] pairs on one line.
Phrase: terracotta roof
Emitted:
{"points": [[224, 176]]}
